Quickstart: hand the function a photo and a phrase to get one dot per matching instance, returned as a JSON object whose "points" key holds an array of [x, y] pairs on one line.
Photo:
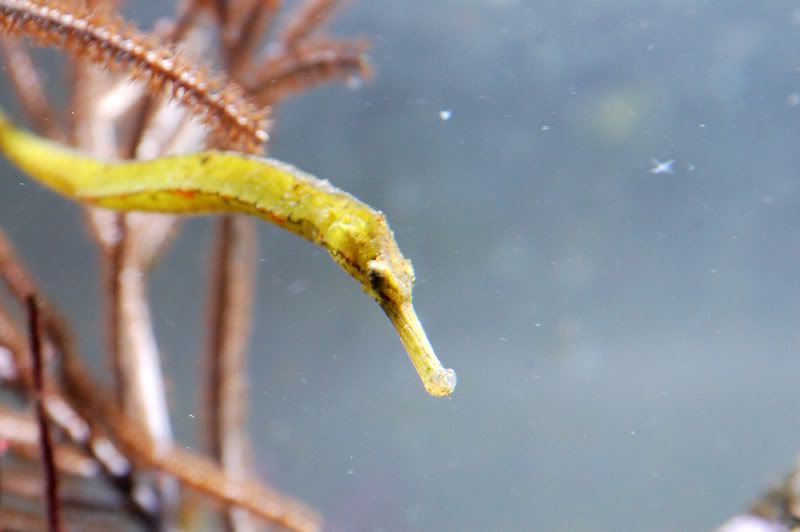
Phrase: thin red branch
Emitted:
{"points": [[186, 19], [221, 8], [253, 32], [311, 15], [46, 439], [28, 88], [309, 64]]}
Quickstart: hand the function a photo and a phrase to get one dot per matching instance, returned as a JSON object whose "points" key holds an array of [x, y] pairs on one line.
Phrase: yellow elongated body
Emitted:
{"points": [[356, 236]]}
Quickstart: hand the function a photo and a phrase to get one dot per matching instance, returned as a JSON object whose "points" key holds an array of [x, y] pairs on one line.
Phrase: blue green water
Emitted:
{"points": [[627, 341]]}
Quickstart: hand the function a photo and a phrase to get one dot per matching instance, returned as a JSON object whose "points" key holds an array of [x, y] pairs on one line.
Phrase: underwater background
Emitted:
{"points": [[601, 199]]}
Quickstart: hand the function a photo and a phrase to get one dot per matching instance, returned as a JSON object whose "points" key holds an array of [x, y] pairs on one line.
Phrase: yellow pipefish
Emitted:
{"points": [[356, 236]]}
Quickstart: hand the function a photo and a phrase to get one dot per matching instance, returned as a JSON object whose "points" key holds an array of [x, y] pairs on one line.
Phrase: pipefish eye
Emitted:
{"points": [[378, 275], [377, 280]]}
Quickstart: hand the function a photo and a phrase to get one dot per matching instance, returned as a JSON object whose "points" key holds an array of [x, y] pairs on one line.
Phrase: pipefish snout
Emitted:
{"points": [[356, 236]]}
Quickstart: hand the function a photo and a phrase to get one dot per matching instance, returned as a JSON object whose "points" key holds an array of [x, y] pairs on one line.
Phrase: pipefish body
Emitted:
{"points": [[356, 236]]}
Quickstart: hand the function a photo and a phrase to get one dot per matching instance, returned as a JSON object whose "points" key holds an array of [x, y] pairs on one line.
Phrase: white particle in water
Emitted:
{"points": [[445, 114], [662, 167], [354, 82], [298, 286]]}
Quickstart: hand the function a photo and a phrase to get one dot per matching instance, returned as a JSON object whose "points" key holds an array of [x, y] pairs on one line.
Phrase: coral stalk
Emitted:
{"points": [[104, 40]]}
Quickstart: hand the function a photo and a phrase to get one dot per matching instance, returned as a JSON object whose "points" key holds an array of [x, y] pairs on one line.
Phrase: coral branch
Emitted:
{"points": [[15, 367], [46, 440], [22, 433], [116, 467], [310, 64], [229, 328], [251, 32], [312, 15], [112, 265], [27, 85], [104, 40], [19, 520], [225, 394], [187, 17], [141, 380], [193, 471], [175, 107], [15, 277], [221, 8], [93, 403], [22, 481], [145, 398]]}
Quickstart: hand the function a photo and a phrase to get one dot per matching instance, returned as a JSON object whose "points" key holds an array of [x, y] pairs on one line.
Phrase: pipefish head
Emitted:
{"points": [[391, 279], [364, 246]]}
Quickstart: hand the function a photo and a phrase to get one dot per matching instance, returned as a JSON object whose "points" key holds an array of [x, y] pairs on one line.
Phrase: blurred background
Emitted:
{"points": [[602, 204]]}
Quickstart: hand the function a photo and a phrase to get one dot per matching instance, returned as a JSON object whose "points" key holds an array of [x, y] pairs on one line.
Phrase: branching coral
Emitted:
{"points": [[126, 109]]}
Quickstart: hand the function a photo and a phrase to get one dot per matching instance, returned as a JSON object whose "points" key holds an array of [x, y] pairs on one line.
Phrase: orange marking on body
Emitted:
{"points": [[188, 194]]}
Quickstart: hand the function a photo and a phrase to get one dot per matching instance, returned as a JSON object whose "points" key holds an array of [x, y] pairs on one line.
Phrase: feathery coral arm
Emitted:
{"points": [[356, 236], [106, 40]]}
